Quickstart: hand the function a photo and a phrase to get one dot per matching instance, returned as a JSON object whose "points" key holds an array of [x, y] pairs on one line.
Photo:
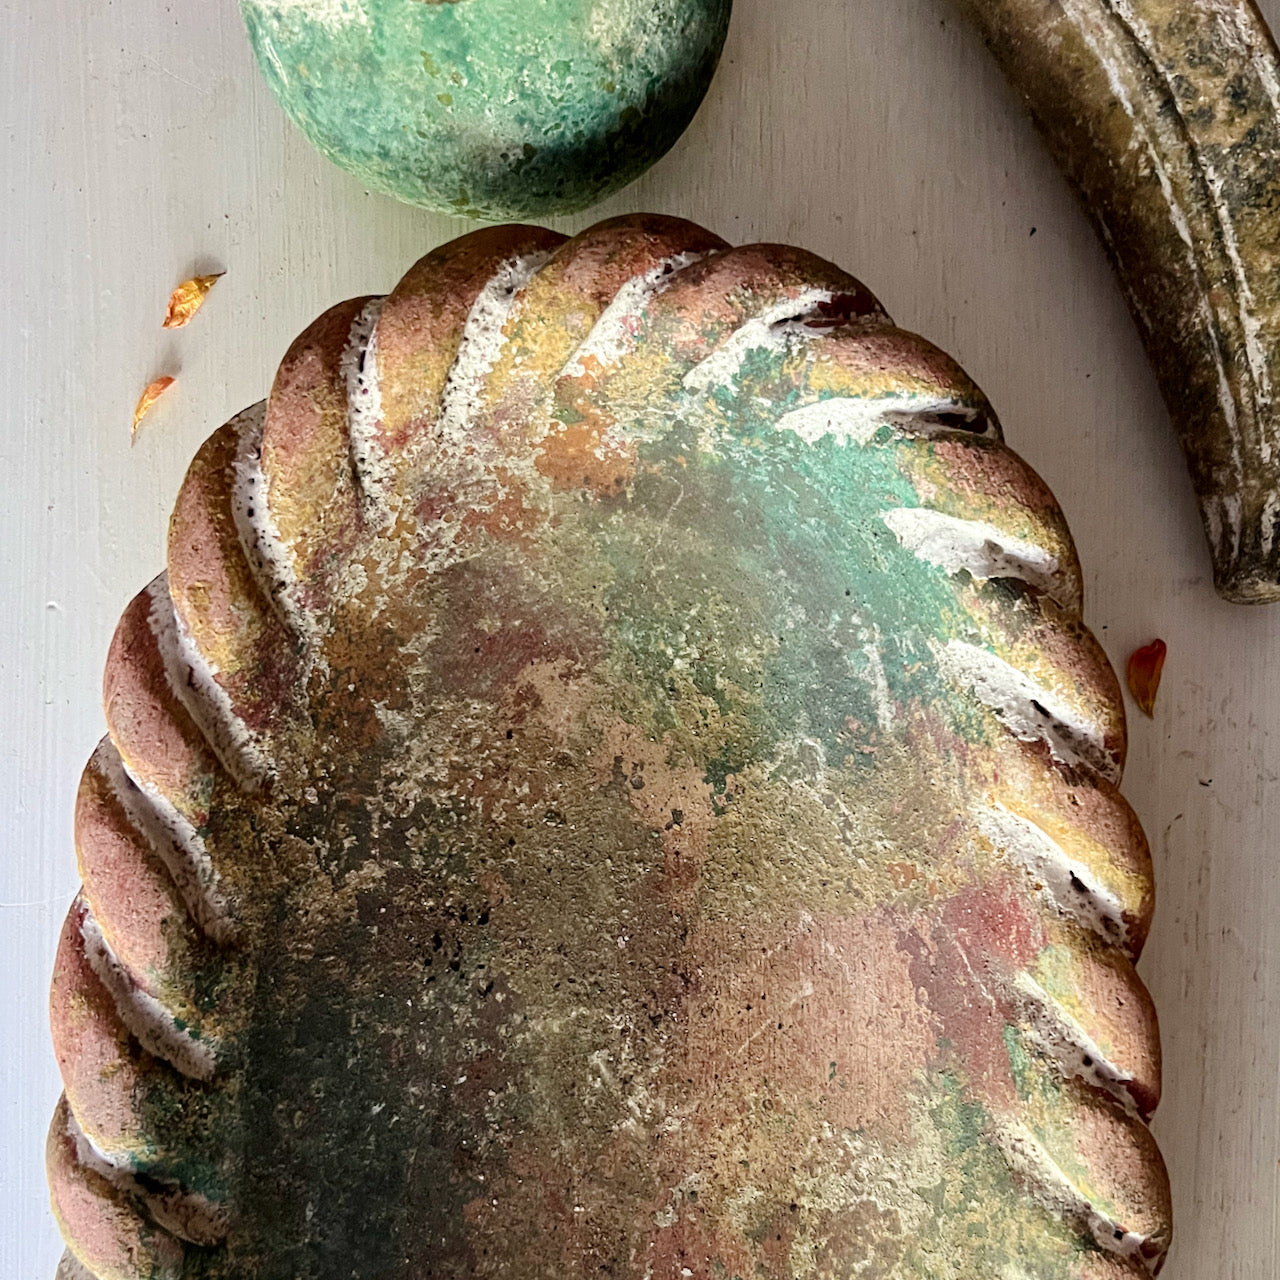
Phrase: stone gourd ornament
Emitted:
{"points": [[490, 108], [613, 782]]}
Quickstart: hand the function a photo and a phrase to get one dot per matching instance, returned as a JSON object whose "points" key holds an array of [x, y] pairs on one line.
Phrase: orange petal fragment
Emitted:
{"points": [[1146, 665], [153, 393], [188, 298]]}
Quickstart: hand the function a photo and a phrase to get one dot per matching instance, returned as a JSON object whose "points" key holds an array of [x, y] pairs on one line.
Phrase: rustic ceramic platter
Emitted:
{"points": [[613, 781]]}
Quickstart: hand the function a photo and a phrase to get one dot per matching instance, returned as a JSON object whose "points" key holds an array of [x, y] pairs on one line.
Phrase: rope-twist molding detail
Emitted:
{"points": [[613, 781]]}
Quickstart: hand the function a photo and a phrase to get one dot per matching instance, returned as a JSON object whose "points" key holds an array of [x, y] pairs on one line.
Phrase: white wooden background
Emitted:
{"points": [[138, 146]]}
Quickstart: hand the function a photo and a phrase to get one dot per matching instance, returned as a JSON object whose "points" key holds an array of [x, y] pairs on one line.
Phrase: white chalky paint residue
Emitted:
{"points": [[334, 15], [153, 1024], [955, 544], [1060, 1037], [173, 840], [1267, 521], [846, 419], [612, 337], [93, 1156], [1233, 510], [480, 348], [187, 863], [192, 1215], [1010, 693], [771, 330], [192, 679], [1069, 883], [461, 454], [106, 763], [1045, 1180], [635, 32], [358, 368], [1107, 58], [882, 700], [264, 549], [855, 419], [1251, 326]]}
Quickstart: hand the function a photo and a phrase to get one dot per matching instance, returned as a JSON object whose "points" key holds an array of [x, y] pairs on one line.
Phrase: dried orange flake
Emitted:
{"points": [[153, 393], [1146, 665], [188, 298]]}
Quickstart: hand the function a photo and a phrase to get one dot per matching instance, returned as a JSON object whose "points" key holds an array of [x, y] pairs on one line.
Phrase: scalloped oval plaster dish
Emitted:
{"points": [[490, 108], [613, 782]]}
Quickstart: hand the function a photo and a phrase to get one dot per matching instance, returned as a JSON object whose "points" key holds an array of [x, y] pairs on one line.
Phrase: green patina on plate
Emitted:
{"points": [[654, 817]]}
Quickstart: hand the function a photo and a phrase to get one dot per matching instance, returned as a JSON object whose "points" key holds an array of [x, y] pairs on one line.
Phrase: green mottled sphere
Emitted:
{"points": [[490, 108]]}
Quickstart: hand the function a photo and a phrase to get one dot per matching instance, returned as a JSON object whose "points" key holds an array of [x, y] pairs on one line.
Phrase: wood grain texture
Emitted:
{"points": [[139, 148]]}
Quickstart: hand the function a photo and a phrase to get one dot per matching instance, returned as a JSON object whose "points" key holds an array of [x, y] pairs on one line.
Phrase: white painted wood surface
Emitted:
{"points": [[137, 146]]}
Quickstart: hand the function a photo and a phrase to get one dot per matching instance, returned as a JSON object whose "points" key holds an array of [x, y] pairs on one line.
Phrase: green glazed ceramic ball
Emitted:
{"points": [[490, 108]]}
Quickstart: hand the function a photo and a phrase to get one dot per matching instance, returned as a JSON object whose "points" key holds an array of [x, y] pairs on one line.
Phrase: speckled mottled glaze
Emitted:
{"points": [[1164, 115], [490, 108], [613, 782]]}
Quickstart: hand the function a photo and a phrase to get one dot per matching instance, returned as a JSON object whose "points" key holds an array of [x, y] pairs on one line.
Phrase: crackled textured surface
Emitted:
{"points": [[612, 782], [490, 108]]}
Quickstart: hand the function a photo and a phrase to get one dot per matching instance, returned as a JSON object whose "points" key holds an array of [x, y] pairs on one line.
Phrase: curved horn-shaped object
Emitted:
{"points": [[1165, 117]]}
